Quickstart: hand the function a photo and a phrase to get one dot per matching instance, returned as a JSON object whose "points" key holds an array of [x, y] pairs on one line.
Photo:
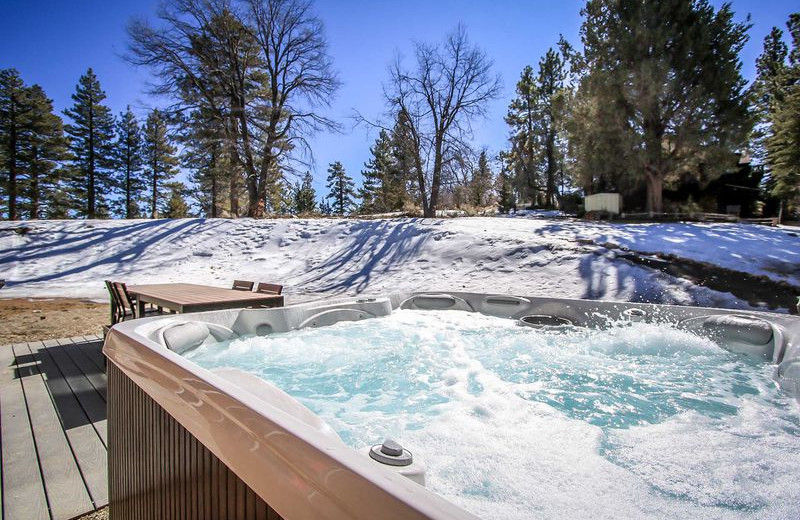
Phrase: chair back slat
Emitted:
{"points": [[115, 304], [243, 285], [125, 300], [269, 288]]}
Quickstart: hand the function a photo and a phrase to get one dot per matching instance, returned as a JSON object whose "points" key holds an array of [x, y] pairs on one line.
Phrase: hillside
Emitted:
{"points": [[520, 255]]}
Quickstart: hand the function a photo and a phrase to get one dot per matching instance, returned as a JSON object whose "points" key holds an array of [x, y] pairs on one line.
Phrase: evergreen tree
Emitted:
{"points": [[661, 93], [128, 157], [369, 192], [406, 168], [342, 189], [176, 206], [305, 197], [13, 120], [505, 190], [777, 94], [206, 152], [384, 182], [522, 117], [46, 149], [160, 163], [32, 147], [325, 207], [91, 133], [480, 185]]}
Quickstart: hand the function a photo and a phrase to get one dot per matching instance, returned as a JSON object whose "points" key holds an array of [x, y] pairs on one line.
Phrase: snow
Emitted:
{"points": [[528, 255]]}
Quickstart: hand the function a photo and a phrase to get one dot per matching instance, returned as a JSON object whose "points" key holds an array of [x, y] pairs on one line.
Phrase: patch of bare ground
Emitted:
{"points": [[24, 319], [100, 514]]}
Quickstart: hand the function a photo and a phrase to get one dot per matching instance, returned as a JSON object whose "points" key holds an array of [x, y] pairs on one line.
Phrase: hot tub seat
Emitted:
{"points": [[739, 333]]}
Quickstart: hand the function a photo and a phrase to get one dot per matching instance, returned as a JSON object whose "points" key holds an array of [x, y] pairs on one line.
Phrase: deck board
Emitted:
{"points": [[95, 372], [23, 489], [63, 483], [52, 429], [86, 432]]}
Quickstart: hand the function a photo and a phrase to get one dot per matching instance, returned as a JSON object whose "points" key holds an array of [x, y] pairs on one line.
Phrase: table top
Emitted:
{"points": [[187, 294]]}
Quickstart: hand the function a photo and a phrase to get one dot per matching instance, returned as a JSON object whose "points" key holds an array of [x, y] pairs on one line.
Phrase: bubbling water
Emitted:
{"points": [[631, 421]]}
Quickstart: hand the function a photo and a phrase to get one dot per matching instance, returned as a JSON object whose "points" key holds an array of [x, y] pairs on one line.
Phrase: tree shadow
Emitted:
{"points": [[606, 277], [378, 246], [138, 239], [75, 381]]}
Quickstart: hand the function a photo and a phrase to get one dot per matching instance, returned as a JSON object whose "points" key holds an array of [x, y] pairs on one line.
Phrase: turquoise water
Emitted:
{"points": [[637, 421]]}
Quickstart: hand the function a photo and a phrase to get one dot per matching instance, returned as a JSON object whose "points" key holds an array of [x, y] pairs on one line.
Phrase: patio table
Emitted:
{"points": [[189, 297]]}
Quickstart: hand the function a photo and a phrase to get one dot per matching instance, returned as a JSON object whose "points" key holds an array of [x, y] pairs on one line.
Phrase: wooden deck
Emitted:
{"points": [[53, 428]]}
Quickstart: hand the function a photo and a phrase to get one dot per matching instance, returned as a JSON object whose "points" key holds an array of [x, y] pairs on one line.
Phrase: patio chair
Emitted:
{"points": [[242, 285], [129, 303], [116, 306], [268, 288]]}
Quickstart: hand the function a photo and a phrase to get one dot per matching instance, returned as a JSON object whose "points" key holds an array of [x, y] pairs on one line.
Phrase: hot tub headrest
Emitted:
{"points": [[739, 333], [740, 328], [182, 337]]}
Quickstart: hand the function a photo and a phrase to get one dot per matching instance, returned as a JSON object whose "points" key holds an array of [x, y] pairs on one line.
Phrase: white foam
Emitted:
{"points": [[637, 421]]}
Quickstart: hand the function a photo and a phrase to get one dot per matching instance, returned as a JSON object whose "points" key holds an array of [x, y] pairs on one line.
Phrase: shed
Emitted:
{"points": [[605, 202]]}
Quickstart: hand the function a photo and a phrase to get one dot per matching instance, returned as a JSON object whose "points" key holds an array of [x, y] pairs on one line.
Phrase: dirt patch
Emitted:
{"points": [[757, 290], [24, 319], [100, 514]]}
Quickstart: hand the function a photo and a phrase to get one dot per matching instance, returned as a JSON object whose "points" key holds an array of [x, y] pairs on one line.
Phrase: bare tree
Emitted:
{"points": [[260, 67], [437, 101], [301, 80]]}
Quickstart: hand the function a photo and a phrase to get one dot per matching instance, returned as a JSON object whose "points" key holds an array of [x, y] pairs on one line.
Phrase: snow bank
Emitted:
{"points": [[507, 255]]}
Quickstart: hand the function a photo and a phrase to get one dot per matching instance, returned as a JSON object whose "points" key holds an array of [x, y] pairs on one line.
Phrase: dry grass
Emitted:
{"points": [[23, 319]]}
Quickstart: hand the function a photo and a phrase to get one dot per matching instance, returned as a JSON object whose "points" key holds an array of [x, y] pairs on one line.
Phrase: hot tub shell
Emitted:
{"points": [[186, 442]]}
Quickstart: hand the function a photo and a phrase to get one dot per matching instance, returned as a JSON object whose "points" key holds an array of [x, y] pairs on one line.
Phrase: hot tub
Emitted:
{"points": [[220, 442]]}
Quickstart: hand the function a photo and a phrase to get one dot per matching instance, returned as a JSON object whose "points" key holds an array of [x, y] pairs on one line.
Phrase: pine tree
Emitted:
{"points": [[383, 188], [522, 117], [305, 197], [204, 143], [342, 189], [176, 206], [160, 163], [777, 94], [128, 158], [92, 131], [32, 150], [783, 152], [480, 185], [369, 193], [13, 116], [325, 207], [661, 92], [406, 166], [505, 190], [47, 148]]}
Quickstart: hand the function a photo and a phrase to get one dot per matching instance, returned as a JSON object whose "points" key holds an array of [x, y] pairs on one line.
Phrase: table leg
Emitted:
{"points": [[139, 308]]}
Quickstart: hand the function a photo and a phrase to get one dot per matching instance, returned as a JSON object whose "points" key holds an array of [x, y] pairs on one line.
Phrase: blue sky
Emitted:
{"points": [[53, 42]]}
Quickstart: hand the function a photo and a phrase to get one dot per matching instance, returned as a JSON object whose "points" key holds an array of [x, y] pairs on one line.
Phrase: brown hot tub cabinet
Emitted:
{"points": [[188, 443]]}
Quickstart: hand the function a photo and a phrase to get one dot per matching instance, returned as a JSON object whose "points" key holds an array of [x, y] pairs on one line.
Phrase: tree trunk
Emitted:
{"points": [[550, 193], [34, 183], [12, 169], [436, 179], [249, 163], [213, 169], [655, 184], [153, 212], [128, 212], [423, 194], [90, 195], [233, 184]]}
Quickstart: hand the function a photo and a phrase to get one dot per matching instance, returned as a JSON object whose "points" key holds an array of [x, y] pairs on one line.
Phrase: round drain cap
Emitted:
{"points": [[391, 453]]}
